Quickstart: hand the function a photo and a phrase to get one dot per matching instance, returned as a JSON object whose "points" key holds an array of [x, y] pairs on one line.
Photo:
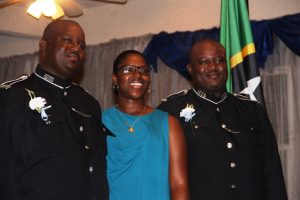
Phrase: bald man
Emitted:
{"points": [[232, 149], [52, 145]]}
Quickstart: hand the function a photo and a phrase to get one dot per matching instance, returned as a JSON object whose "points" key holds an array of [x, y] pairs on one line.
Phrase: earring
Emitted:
{"points": [[149, 89], [115, 88]]}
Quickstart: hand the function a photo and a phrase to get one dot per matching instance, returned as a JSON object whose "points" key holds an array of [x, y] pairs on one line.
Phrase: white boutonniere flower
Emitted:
{"points": [[38, 104], [188, 112]]}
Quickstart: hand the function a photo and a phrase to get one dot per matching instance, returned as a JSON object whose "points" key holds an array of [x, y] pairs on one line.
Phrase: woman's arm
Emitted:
{"points": [[178, 161]]}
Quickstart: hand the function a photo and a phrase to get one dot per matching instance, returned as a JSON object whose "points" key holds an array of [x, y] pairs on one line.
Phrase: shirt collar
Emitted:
{"points": [[52, 79], [210, 97]]}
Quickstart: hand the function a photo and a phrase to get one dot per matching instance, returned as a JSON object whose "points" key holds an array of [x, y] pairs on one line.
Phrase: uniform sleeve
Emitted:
{"points": [[163, 106], [167, 107], [9, 123], [275, 185]]}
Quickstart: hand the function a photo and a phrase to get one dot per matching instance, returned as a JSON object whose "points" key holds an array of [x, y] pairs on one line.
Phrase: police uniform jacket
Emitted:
{"points": [[53, 150], [232, 149]]}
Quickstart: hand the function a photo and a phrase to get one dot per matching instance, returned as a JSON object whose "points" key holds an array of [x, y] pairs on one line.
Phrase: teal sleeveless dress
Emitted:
{"points": [[138, 162]]}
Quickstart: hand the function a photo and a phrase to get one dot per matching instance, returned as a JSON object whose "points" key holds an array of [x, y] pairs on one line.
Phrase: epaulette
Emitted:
{"points": [[8, 84], [243, 96], [176, 94]]}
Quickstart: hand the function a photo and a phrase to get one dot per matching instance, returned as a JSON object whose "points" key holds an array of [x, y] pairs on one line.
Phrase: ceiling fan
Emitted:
{"points": [[70, 7]]}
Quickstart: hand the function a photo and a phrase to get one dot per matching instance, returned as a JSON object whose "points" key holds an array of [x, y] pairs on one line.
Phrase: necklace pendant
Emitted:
{"points": [[131, 129]]}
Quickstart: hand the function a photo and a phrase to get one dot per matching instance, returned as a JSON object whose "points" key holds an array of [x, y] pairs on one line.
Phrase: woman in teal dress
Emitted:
{"points": [[146, 157]]}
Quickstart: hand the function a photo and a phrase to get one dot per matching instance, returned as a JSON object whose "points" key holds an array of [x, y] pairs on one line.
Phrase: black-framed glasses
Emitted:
{"points": [[207, 61], [130, 69]]}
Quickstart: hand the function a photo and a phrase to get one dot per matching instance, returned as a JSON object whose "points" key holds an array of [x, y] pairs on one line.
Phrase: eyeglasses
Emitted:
{"points": [[130, 69], [208, 61]]}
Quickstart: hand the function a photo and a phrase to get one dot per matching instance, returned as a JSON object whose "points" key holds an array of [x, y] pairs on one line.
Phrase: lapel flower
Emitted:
{"points": [[188, 112], [38, 104]]}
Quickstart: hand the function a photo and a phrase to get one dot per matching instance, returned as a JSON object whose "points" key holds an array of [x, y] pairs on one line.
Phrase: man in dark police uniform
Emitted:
{"points": [[52, 145], [232, 149]]}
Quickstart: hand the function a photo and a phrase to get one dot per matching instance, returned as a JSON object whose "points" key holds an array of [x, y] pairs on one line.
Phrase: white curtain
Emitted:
{"points": [[281, 80]]}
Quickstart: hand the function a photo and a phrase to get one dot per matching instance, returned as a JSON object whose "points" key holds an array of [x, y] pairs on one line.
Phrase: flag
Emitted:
{"points": [[236, 37]]}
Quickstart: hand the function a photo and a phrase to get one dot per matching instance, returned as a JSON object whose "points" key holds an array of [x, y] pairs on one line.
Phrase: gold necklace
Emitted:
{"points": [[131, 127]]}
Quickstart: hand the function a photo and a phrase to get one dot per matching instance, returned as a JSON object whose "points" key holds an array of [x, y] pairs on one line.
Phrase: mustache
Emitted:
{"points": [[73, 52]]}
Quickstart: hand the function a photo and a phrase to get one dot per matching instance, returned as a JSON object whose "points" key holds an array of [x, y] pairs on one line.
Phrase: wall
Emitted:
{"points": [[138, 17]]}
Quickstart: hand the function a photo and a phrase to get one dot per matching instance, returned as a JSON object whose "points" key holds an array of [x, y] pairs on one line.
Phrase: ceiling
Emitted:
{"points": [[83, 3], [103, 22], [88, 3], [15, 22]]}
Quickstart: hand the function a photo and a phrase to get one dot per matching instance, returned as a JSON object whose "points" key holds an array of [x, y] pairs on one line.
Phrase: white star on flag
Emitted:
{"points": [[252, 85]]}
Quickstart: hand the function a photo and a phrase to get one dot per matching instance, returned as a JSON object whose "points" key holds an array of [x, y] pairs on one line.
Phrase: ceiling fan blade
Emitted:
{"points": [[113, 1], [70, 7], [8, 3]]}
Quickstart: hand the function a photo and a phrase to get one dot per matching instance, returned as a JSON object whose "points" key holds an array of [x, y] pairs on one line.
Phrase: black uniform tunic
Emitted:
{"points": [[57, 153], [232, 149]]}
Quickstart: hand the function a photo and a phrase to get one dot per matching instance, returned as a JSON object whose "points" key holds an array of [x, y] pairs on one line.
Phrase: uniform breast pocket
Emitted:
{"points": [[42, 136], [200, 136], [252, 140]]}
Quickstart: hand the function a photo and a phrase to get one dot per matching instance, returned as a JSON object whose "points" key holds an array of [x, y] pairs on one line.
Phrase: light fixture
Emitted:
{"points": [[48, 8]]}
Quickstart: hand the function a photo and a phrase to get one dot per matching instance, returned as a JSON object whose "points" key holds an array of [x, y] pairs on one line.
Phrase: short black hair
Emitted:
{"points": [[123, 55], [203, 40], [52, 26]]}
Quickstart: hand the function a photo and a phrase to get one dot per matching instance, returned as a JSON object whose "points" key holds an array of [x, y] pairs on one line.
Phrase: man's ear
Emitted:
{"points": [[189, 68], [42, 45]]}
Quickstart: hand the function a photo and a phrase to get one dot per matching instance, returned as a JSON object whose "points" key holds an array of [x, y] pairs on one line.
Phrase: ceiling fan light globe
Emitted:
{"points": [[49, 8], [59, 12], [35, 9]]}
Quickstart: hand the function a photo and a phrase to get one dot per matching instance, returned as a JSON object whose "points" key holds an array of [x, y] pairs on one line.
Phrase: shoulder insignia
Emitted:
{"points": [[243, 96], [8, 84], [4, 86], [176, 94]]}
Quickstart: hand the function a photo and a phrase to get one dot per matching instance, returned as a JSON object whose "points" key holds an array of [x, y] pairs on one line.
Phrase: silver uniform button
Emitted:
{"points": [[65, 93], [233, 186], [86, 147], [80, 128], [232, 165], [91, 169], [104, 129], [196, 126], [223, 126], [218, 109], [229, 145]]}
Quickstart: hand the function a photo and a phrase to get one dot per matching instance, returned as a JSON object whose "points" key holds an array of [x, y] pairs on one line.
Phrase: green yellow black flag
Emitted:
{"points": [[236, 37]]}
